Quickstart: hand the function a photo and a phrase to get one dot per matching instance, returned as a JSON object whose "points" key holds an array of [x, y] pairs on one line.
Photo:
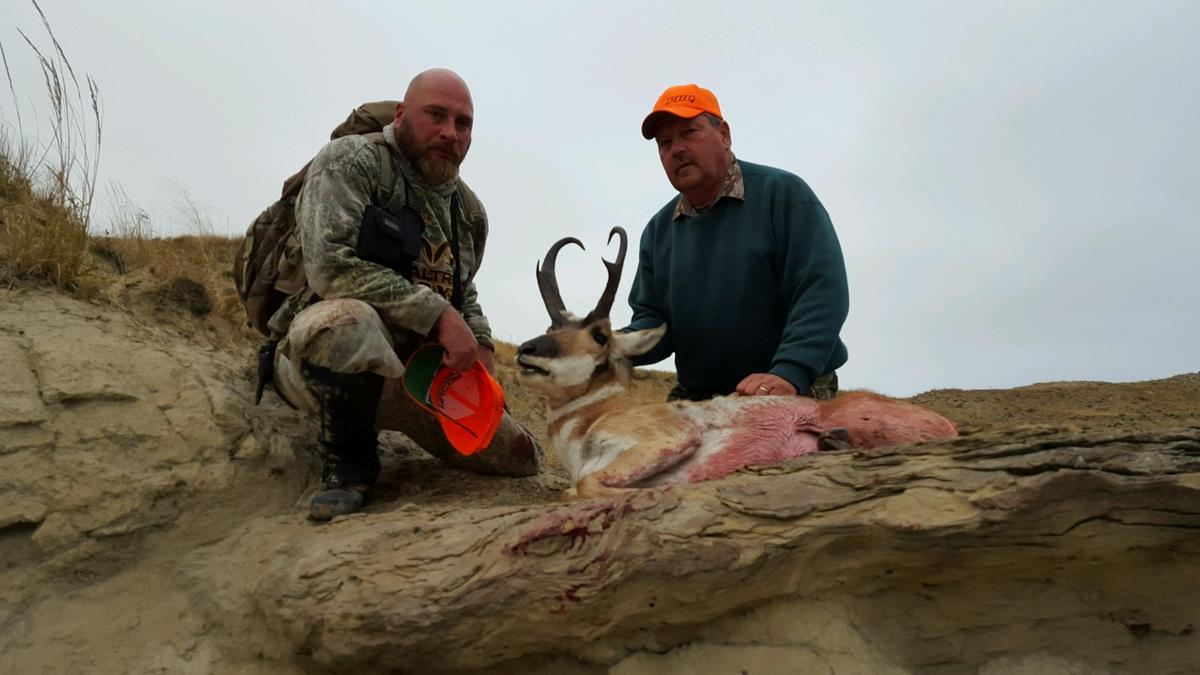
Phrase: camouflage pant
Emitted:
{"points": [[823, 389], [348, 336]]}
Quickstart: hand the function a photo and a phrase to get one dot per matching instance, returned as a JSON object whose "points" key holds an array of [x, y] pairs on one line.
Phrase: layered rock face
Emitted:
{"points": [[122, 446], [149, 522], [996, 548], [103, 427]]}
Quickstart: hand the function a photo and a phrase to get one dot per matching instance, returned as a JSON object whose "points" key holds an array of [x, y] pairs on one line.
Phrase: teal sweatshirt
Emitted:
{"points": [[745, 287]]}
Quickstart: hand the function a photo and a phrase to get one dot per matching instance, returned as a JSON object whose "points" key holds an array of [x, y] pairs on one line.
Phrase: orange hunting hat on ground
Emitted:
{"points": [[686, 101]]}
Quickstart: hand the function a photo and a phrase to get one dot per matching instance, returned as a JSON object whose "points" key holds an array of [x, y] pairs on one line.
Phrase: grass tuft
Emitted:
{"points": [[46, 191]]}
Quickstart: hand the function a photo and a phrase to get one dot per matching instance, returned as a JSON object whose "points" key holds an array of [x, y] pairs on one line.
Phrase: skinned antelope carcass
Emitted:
{"points": [[608, 443]]}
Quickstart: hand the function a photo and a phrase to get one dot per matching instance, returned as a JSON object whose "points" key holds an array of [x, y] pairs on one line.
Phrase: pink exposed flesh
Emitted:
{"points": [[769, 433]]}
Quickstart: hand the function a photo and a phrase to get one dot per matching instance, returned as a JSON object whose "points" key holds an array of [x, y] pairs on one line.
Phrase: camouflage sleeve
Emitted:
{"points": [[476, 217], [475, 318], [340, 182]]}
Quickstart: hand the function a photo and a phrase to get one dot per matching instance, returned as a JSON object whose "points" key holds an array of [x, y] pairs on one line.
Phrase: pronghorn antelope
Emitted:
{"points": [[609, 444]]}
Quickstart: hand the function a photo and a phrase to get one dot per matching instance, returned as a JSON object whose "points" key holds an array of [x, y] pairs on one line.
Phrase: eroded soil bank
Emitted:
{"points": [[150, 522]]}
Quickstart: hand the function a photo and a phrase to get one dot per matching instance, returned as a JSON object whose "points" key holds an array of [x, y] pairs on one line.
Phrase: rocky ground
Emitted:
{"points": [[151, 521]]}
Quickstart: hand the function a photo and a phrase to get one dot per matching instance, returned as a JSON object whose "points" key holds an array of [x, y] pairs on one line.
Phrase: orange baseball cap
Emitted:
{"points": [[686, 101], [469, 405]]}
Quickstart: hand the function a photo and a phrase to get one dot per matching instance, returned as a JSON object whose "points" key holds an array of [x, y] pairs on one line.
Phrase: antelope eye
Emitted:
{"points": [[600, 338]]}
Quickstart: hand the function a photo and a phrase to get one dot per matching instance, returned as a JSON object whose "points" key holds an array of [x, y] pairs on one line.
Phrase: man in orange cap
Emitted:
{"points": [[743, 265]]}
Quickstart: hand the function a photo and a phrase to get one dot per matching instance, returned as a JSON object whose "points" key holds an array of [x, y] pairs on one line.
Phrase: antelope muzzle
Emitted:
{"points": [[530, 351]]}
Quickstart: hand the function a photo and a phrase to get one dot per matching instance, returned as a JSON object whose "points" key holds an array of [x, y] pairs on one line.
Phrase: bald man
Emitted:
{"points": [[390, 264]]}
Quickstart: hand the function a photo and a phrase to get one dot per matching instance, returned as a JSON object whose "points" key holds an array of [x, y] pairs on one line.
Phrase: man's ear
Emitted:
{"points": [[626, 345]]}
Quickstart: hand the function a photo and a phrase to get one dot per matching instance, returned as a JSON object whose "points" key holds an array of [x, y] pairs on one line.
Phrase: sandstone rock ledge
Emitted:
{"points": [[1039, 549], [151, 521]]}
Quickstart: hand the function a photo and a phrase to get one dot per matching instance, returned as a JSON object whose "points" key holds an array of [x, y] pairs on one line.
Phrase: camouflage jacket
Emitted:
{"points": [[342, 180]]}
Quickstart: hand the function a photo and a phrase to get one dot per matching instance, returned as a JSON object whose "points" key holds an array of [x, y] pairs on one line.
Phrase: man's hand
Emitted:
{"points": [[456, 338], [765, 384], [485, 356]]}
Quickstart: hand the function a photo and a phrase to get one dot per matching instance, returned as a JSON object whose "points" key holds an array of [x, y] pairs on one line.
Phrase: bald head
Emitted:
{"points": [[433, 123], [436, 81]]}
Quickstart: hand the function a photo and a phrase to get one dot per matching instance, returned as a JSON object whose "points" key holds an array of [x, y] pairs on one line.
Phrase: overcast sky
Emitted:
{"points": [[1015, 184]]}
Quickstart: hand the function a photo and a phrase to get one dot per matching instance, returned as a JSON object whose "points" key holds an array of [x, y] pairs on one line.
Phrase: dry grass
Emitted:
{"points": [[184, 283], [47, 189], [46, 235], [176, 280], [652, 386], [36, 245], [193, 271], [204, 261], [41, 237], [130, 232]]}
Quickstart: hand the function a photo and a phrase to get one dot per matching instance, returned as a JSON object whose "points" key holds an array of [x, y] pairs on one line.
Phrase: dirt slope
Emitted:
{"points": [[151, 521]]}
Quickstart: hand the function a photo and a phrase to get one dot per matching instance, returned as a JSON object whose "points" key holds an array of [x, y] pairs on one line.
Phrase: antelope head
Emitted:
{"points": [[608, 444], [577, 356]]}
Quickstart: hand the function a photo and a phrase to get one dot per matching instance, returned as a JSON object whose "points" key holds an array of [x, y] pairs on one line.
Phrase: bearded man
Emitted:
{"points": [[390, 262]]}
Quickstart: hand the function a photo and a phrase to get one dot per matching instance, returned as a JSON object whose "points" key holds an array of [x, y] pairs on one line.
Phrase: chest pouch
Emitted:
{"points": [[391, 240]]}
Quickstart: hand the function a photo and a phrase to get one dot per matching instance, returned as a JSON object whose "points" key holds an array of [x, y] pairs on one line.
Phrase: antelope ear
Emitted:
{"points": [[626, 345]]}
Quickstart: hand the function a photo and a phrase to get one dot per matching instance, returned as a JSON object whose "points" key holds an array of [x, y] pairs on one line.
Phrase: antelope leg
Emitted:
{"points": [[636, 464]]}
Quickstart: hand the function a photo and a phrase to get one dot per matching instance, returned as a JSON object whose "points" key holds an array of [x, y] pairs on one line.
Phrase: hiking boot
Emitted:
{"points": [[339, 500], [348, 438]]}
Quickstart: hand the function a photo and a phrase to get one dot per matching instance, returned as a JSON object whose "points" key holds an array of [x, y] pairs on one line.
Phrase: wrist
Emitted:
{"points": [[791, 375]]}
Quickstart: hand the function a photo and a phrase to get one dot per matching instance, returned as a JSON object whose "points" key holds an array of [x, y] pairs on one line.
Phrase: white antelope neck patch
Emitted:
{"points": [[584, 401]]}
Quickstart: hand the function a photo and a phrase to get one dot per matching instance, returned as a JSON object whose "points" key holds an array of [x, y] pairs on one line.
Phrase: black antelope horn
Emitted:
{"points": [[614, 279], [548, 284]]}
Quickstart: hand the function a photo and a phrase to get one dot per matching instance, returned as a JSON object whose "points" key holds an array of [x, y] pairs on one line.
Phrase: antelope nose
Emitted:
{"points": [[543, 345]]}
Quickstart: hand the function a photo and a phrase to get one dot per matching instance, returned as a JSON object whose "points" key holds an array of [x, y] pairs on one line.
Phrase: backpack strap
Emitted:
{"points": [[387, 175], [456, 293], [470, 206]]}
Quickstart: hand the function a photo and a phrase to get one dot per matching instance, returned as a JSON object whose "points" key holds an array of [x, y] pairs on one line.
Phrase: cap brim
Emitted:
{"points": [[650, 124]]}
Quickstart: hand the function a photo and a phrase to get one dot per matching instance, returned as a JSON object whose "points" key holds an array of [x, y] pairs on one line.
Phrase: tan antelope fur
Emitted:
{"points": [[609, 444]]}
